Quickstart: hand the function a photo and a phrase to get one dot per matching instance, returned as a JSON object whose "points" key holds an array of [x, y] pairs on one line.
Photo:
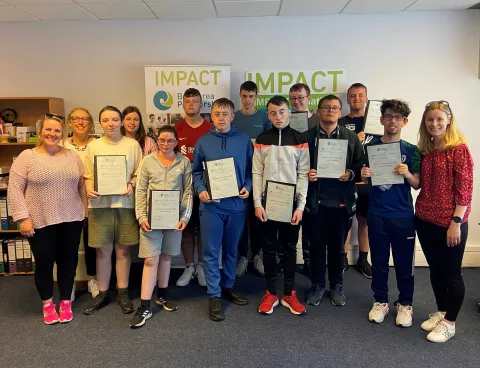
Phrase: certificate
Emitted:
{"points": [[110, 174], [299, 121], [279, 199], [371, 123], [382, 159], [221, 178], [164, 209], [331, 158]]}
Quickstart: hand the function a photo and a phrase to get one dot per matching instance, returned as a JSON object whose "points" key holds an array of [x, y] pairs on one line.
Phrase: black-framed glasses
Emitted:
{"points": [[328, 108], [50, 115], [299, 98], [77, 119], [168, 141], [390, 117]]}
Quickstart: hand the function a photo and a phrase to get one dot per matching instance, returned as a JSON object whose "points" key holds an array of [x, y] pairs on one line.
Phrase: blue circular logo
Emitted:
{"points": [[163, 100]]}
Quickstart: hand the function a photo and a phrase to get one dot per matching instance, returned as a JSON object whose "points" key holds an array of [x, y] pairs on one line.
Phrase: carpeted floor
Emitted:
{"points": [[326, 336]]}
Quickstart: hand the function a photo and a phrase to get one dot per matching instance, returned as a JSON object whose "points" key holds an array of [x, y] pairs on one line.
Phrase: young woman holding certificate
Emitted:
{"points": [[112, 205], [164, 176], [442, 210], [133, 128], [47, 196]]}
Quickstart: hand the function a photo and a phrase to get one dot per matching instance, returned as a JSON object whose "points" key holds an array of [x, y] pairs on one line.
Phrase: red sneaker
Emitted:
{"points": [[269, 302], [50, 315], [292, 303], [66, 314]]}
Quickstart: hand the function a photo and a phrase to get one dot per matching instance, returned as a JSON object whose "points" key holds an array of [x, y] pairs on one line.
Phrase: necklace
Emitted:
{"points": [[81, 149]]}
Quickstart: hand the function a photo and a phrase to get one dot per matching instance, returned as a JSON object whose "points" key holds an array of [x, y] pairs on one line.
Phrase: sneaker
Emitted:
{"points": [[74, 289], [140, 317], [258, 265], [50, 315], [100, 301], [364, 268], [292, 303], [167, 305], [345, 264], [215, 309], [93, 287], [337, 296], [267, 304], [404, 315], [241, 266], [124, 301], [200, 275], [442, 333], [378, 312], [432, 322], [66, 314], [314, 295], [187, 276]]}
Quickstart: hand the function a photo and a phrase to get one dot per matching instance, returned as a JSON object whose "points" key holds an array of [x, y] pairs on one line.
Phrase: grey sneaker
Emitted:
{"points": [[241, 266], [258, 265], [337, 296], [314, 295]]}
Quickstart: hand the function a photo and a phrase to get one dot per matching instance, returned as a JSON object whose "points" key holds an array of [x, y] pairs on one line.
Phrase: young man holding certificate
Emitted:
{"points": [[335, 160], [280, 182], [222, 177], [392, 168]]}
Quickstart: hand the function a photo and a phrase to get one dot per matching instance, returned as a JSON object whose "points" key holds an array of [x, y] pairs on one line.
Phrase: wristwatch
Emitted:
{"points": [[132, 184], [457, 219]]}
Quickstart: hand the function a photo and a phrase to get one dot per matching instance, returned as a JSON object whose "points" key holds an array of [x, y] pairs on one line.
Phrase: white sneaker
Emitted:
{"points": [[404, 315], [93, 287], [187, 276], [378, 312], [241, 266], [200, 275], [74, 289], [433, 321], [442, 333], [258, 265]]}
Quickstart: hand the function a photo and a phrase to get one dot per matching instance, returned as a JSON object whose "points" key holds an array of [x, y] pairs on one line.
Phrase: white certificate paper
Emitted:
{"points": [[110, 175], [279, 201], [222, 178], [164, 209], [372, 124], [331, 158], [382, 159], [299, 121]]}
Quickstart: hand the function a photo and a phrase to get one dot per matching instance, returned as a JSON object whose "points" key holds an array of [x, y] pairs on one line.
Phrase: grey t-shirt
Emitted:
{"points": [[313, 120], [252, 125]]}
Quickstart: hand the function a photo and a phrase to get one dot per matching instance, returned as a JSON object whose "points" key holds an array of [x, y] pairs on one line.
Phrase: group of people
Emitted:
{"points": [[52, 194]]}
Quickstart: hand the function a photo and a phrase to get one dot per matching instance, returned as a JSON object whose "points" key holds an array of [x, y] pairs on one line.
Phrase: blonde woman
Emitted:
{"points": [[82, 125], [442, 210], [133, 128], [47, 196]]}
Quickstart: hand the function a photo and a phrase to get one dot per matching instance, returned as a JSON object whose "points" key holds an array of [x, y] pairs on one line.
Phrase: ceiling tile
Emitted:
{"points": [[312, 7], [2, 3], [183, 10], [442, 4], [107, 1], [377, 6], [56, 12], [119, 11], [37, 2], [247, 8], [10, 14]]}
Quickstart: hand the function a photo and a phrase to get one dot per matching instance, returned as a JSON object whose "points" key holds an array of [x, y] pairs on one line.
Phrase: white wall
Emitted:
{"points": [[418, 57]]}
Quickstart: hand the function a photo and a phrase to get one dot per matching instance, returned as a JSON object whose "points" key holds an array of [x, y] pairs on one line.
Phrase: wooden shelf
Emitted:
{"points": [[19, 144], [17, 273], [9, 231]]}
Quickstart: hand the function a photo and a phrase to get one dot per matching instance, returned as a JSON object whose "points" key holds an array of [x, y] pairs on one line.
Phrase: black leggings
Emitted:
{"points": [[56, 244], [445, 265], [90, 253]]}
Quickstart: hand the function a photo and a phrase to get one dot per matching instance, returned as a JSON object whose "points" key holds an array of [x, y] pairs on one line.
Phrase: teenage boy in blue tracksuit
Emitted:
{"points": [[391, 220], [221, 221]]}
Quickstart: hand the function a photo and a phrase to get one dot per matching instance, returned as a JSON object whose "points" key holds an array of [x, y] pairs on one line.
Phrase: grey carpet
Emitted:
{"points": [[327, 336]]}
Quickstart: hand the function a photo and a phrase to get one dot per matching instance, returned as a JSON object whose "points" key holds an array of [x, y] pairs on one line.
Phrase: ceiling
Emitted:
{"points": [[48, 10]]}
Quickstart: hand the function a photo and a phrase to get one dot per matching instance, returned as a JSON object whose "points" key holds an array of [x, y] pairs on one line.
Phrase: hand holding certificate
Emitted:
{"points": [[382, 161], [372, 123], [331, 158], [221, 178], [110, 174], [299, 121], [164, 209], [279, 199]]}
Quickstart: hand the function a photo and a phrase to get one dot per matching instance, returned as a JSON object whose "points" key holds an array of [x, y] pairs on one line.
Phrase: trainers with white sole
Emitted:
{"points": [[187, 276], [242, 265], [258, 265], [432, 322], [378, 312], [442, 333], [404, 315], [200, 275]]}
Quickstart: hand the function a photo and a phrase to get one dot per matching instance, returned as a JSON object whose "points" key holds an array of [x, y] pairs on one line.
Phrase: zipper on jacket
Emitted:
{"points": [[278, 155]]}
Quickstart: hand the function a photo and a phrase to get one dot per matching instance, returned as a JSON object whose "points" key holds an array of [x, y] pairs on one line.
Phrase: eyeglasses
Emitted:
{"points": [[390, 117], [440, 102], [49, 115], [299, 98], [77, 119], [168, 141], [328, 108]]}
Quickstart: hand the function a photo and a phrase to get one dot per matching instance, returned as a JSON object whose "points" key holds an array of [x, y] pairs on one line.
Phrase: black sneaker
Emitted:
{"points": [[233, 297], [124, 302], [364, 268], [337, 296], [167, 305], [345, 264], [215, 309], [314, 295], [139, 319], [100, 301]]}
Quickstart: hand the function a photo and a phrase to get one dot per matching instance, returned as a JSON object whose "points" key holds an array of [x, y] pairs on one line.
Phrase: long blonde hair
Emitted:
{"points": [[453, 137], [91, 124], [54, 117]]}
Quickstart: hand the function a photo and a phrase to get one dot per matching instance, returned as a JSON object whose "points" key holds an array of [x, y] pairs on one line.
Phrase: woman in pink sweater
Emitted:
{"points": [[47, 196], [133, 128]]}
